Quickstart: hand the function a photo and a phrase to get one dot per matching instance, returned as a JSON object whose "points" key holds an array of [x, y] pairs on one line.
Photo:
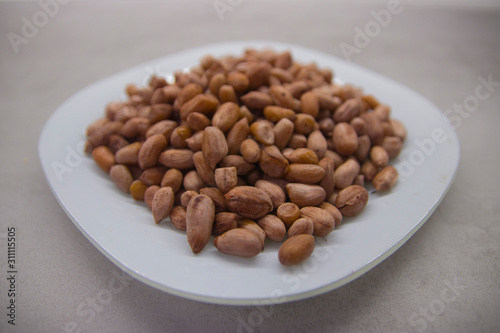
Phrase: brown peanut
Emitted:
{"points": [[273, 227], [226, 178], [305, 194], [351, 200], [163, 203], [103, 157], [200, 214], [385, 179], [249, 202], [239, 242], [296, 249]]}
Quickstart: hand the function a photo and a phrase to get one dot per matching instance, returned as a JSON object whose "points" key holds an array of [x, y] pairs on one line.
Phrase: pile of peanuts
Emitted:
{"points": [[249, 147]]}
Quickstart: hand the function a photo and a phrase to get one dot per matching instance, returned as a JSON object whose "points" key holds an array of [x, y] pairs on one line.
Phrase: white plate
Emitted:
{"points": [[159, 255]]}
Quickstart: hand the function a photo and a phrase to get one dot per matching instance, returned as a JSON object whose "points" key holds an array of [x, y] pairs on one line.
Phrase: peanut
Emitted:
{"points": [[200, 214], [296, 249]]}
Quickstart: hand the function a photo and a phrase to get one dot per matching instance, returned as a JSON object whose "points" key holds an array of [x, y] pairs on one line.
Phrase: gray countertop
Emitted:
{"points": [[444, 279]]}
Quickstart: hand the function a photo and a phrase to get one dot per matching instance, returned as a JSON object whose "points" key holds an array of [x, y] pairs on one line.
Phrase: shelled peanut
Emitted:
{"points": [[249, 147]]}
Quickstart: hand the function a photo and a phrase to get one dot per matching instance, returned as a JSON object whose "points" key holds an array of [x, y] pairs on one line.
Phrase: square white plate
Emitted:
{"points": [[124, 231]]}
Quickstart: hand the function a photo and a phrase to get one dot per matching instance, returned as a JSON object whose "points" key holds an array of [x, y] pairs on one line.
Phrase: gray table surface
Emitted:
{"points": [[444, 279]]}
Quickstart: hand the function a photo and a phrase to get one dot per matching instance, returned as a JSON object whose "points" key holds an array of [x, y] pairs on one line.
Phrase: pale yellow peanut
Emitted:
{"points": [[296, 249]]}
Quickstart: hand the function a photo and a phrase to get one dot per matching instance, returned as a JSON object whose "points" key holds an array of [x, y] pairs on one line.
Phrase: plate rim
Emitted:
{"points": [[245, 301]]}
